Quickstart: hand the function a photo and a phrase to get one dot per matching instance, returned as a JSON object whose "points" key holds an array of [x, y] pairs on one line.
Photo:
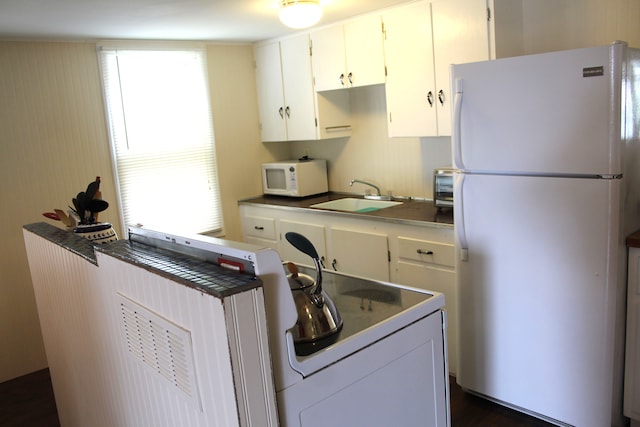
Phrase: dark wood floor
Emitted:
{"points": [[28, 402]]}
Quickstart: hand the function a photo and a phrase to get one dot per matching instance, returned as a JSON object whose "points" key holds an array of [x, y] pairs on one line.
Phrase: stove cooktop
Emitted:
{"points": [[363, 304]]}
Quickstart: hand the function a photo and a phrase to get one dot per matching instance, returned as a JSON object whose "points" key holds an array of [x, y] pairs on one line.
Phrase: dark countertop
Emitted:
{"points": [[417, 212], [189, 271], [633, 241]]}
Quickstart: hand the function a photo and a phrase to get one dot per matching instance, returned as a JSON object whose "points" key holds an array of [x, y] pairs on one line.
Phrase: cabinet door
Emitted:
{"points": [[433, 278], [410, 81], [270, 92], [313, 232], [359, 253], [328, 58], [460, 35], [632, 371], [364, 51], [298, 89]]}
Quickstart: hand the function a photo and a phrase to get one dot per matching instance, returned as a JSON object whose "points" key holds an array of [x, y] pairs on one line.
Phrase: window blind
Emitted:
{"points": [[161, 133]]}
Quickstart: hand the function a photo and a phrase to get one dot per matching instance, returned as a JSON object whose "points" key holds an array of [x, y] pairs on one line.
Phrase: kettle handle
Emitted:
{"points": [[302, 244]]}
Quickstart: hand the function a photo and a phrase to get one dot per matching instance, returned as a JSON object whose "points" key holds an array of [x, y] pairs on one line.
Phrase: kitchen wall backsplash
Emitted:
{"points": [[401, 165]]}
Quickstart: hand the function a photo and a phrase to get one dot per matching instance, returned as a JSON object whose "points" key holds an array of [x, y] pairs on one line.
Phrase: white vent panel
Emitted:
{"points": [[161, 346]]}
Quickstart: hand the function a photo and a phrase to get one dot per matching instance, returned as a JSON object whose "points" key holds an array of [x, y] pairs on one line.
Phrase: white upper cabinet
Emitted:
{"points": [[270, 92], [349, 54], [423, 39], [286, 100], [460, 34], [410, 82], [289, 107]]}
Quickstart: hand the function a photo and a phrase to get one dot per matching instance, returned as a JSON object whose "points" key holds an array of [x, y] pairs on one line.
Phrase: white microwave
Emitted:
{"points": [[295, 178]]}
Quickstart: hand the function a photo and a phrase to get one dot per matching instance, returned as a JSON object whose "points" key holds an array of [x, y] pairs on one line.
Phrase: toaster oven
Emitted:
{"points": [[443, 187]]}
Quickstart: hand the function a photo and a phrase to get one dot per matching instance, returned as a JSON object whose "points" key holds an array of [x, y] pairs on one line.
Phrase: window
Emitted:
{"points": [[161, 131]]}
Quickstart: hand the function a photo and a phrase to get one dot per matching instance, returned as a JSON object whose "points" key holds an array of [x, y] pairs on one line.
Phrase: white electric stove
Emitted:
{"points": [[386, 366]]}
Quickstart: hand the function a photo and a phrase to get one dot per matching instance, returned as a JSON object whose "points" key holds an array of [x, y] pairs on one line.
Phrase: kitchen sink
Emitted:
{"points": [[351, 204]]}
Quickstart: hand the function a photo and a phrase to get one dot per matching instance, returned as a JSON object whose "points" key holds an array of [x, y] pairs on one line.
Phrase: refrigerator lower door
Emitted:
{"points": [[537, 293]]}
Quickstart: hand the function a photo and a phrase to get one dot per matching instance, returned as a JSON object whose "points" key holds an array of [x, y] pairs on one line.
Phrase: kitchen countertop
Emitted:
{"points": [[412, 211], [633, 241]]}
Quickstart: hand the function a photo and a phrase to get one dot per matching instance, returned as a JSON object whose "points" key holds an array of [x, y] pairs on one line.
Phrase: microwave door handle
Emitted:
{"points": [[457, 127], [458, 216]]}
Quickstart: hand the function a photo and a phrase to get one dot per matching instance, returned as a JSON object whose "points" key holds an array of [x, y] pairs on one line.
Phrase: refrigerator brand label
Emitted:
{"points": [[593, 71]]}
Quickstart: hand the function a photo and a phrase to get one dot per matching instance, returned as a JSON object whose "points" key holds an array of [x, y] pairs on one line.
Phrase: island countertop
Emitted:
{"points": [[188, 271]]}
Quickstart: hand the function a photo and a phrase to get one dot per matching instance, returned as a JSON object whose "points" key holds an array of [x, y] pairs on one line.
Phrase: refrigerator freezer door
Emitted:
{"points": [[553, 113], [537, 292]]}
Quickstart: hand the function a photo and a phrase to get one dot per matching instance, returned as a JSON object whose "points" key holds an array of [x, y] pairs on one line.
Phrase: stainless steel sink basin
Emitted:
{"points": [[351, 204]]}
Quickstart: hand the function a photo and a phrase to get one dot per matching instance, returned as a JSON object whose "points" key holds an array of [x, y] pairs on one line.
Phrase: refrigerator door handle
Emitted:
{"points": [[457, 115], [458, 216]]}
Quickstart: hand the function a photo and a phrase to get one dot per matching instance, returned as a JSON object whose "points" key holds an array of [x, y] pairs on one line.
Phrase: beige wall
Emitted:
{"points": [[54, 142], [570, 24]]}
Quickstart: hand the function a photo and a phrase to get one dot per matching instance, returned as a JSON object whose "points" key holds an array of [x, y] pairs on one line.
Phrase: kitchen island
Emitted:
{"points": [[169, 330]]}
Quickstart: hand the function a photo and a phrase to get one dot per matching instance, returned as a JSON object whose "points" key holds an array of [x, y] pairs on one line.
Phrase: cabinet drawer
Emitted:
{"points": [[426, 251], [264, 228]]}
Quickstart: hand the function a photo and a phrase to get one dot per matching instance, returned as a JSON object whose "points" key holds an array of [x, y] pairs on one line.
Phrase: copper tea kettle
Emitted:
{"points": [[318, 316]]}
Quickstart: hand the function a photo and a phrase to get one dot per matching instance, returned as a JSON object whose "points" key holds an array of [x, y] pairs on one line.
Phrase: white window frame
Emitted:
{"points": [[187, 201]]}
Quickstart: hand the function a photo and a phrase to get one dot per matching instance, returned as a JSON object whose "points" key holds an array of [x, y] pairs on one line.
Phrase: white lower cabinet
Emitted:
{"points": [[349, 245], [429, 264], [360, 253], [420, 256], [259, 230], [314, 232]]}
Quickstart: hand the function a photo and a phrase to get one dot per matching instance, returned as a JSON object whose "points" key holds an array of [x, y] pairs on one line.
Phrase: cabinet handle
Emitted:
{"points": [[427, 252], [430, 98], [350, 77], [341, 127], [342, 79], [322, 261], [441, 96], [258, 228], [334, 263], [281, 111], [288, 112]]}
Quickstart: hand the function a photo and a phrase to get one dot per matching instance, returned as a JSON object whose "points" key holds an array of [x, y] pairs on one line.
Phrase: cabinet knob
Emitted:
{"points": [[421, 252], [281, 111], [441, 96], [342, 79], [430, 98], [288, 112]]}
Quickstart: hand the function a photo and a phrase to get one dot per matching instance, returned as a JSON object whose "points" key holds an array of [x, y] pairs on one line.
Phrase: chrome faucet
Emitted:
{"points": [[365, 183], [377, 196]]}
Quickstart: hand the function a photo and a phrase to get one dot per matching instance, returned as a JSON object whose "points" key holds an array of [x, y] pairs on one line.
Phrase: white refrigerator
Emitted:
{"points": [[546, 152]]}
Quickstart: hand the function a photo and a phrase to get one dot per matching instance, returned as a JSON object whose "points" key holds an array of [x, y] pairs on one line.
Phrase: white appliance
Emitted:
{"points": [[386, 366], [295, 178], [546, 148]]}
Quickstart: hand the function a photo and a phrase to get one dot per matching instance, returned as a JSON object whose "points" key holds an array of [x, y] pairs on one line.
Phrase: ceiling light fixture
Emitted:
{"points": [[300, 13]]}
